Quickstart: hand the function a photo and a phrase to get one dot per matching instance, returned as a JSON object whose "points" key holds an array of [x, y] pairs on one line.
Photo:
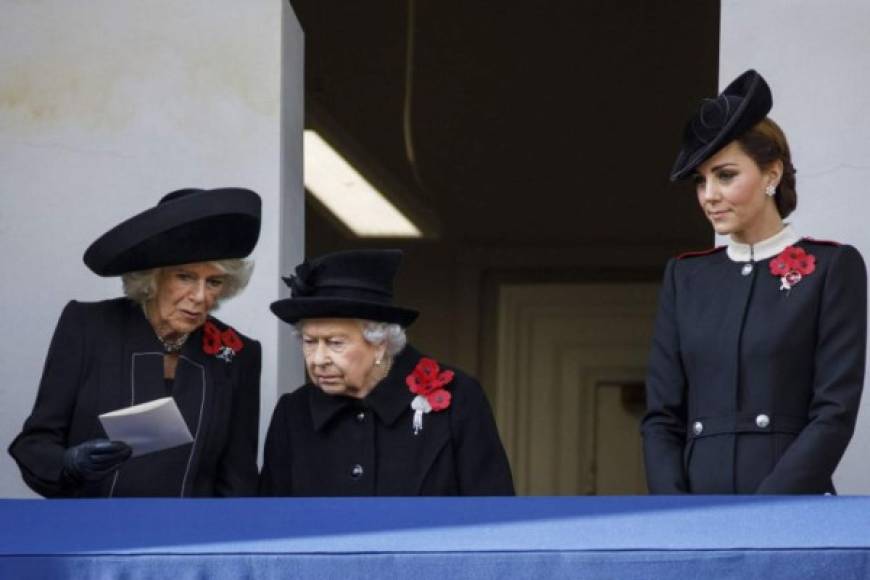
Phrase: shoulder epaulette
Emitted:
{"points": [[825, 242], [700, 252]]}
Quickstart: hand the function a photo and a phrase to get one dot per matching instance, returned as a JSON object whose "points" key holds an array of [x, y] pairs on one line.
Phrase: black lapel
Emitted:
{"points": [[143, 356], [324, 407], [392, 397], [194, 378]]}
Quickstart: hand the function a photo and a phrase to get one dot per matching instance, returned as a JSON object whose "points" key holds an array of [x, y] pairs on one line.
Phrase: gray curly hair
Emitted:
{"points": [[375, 333], [385, 332], [141, 286]]}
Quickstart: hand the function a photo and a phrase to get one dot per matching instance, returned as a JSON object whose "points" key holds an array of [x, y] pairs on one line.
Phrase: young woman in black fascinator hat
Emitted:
{"points": [[757, 362]]}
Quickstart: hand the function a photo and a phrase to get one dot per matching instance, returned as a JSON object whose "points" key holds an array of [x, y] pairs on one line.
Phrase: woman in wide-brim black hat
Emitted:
{"points": [[757, 362], [377, 417], [178, 261]]}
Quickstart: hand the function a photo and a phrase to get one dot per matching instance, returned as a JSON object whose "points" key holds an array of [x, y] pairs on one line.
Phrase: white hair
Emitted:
{"points": [[385, 332], [141, 286], [374, 332]]}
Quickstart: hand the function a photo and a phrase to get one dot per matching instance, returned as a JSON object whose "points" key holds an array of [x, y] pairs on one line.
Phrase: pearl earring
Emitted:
{"points": [[771, 190]]}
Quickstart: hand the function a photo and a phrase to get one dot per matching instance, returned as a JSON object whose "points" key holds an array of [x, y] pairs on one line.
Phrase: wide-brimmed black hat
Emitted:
{"points": [[349, 284], [186, 226], [742, 104]]}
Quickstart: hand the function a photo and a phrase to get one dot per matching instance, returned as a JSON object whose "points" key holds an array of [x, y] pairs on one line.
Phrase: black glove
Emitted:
{"points": [[94, 459]]}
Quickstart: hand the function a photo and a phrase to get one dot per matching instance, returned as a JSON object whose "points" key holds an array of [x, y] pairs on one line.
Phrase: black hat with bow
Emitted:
{"points": [[349, 284], [186, 226], [743, 104]]}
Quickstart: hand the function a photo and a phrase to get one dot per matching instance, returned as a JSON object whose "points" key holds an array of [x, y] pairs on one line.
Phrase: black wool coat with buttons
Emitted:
{"points": [[327, 445], [751, 388], [104, 356]]}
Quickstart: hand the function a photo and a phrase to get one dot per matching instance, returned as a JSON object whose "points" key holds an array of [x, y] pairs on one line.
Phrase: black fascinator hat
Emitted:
{"points": [[743, 103], [349, 284], [186, 226]]}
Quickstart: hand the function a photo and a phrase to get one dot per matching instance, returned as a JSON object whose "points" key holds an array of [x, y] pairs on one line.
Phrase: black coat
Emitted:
{"points": [[105, 356], [326, 445], [750, 388]]}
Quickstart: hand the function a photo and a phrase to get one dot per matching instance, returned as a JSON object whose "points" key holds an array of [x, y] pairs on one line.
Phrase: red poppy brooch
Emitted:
{"points": [[791, 265], [427, 381], [224, 345]]}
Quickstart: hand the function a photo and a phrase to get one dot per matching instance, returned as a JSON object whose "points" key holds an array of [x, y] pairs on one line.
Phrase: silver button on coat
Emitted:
{"points": [[357, 471], [697, 427], [763, 421]]}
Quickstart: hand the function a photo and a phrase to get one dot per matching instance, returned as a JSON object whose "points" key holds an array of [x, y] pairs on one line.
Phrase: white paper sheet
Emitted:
{"points": [[149, 427]]}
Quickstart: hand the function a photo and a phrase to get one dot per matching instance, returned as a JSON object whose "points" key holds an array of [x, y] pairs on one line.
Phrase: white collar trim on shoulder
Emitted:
{"points": [[764, 249]]}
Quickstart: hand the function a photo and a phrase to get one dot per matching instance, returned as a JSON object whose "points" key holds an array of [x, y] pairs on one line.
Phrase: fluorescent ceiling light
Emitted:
{"points": [[347, 194]]}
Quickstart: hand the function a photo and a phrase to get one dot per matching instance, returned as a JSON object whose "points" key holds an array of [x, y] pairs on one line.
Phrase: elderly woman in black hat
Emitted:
{"points": [[377, 417], [178, 260], [757, 362]]}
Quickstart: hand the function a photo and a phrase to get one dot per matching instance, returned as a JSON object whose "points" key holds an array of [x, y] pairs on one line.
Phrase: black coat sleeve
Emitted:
{"points": [[664, 425], [237, 466], [809, 462], [40, 446], [276, 479], [482, 464]]}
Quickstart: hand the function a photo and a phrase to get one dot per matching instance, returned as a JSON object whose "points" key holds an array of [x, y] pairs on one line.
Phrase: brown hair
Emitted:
{"points": [[765, 143]]}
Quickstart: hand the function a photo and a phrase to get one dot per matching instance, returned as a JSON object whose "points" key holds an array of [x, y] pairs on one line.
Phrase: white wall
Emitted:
{"points": [[104, 107], [816, 58], [291, 237]]}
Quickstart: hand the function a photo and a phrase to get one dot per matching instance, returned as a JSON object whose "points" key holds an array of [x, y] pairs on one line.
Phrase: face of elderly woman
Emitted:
{"points": [[185, 295], [339, 359], [731, 191]]}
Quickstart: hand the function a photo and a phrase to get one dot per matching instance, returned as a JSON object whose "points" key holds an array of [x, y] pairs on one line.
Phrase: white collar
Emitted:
{"points": [[764, 249]]}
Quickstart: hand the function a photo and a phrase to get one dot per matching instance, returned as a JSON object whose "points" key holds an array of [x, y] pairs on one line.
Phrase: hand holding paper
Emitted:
{"points": [[148, 427]]}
